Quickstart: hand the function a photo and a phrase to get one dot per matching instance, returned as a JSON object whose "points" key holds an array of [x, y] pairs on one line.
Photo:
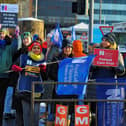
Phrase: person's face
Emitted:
{"points": [[2, 35], [36, 49], [105, 43], [67, 50], [27, 41]]}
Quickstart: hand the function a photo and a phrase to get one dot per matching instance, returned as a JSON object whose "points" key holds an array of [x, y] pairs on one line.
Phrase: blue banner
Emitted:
{"points": [[74, 70], [110, 113], [57, 37]]}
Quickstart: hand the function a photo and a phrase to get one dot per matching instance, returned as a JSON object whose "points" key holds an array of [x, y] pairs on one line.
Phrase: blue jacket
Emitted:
{"points": [[26, 78], [6, 55]]}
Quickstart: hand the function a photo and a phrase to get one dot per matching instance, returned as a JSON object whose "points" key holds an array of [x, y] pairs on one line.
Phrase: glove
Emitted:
{"points": [[42, 67], [16, 68]]}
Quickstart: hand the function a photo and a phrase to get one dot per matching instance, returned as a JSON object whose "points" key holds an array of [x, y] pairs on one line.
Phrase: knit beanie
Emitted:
{"points": [[110, 37], [66, 43], [33, 44], [26, 35], [78, 49]]}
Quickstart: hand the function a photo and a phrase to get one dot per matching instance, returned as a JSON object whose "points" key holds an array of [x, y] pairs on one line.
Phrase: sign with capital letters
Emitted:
{"points": [[106, 57], [81, 115], [61, 115]]}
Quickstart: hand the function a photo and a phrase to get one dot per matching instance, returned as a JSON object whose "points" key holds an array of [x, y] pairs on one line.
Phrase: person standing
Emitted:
{"points": [[7, 49], [106, 74], [31, 65], [53, 68]]}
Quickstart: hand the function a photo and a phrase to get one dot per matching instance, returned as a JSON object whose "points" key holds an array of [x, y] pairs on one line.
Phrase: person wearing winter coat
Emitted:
{"points": [[8, 47], [53, 68], [26, 40], [106, 74], [31, 65]]}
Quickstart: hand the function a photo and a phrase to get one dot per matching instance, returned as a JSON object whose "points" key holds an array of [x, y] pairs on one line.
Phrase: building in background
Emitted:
{"points": [[25, 8], [55, 11], [107, 12]]}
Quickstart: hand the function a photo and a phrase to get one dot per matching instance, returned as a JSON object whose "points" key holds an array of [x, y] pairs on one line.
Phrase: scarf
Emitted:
{"points": [[36, 57]]}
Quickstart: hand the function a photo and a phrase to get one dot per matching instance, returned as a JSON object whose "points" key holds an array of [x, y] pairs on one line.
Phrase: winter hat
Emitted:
{"points": [[33, 44], [110, 37], [26, 35], [35, 37], [78, 48], [66, 43]]}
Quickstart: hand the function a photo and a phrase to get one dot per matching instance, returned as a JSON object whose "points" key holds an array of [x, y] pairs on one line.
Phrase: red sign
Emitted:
{"points": [[106, 29], [106, 57], [61, 115], [81, 115]]}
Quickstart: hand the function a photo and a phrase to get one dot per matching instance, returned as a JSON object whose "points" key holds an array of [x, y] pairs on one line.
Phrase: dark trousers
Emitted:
{"points": [[3, 87]]}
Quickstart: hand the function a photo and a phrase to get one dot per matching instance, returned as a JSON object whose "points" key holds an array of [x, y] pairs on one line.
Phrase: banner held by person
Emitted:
{"points": [[74, 70]]}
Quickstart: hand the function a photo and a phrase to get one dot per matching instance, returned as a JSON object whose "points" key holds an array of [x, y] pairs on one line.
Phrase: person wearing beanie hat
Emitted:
{"points": [[26, 38], [53, 68], [109, 40], [35, 43], [78, 49], [106, 75], [66, 43], [33, 64]]}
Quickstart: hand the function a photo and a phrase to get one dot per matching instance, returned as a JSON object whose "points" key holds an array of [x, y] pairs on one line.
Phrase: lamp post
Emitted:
{"points": [[36, 8], [91, 21]]}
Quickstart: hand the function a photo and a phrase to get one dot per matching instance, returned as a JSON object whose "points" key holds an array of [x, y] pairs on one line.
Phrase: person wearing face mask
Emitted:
{"points": [[8, 47], [31, 67]]}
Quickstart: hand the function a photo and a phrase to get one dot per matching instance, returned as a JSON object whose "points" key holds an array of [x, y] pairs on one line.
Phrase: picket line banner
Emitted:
{"points": [[106, 57], [61, 115], [81, 115]]}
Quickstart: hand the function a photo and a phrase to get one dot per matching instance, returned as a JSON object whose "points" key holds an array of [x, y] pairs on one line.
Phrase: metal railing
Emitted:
{"points": [[33, 100]]}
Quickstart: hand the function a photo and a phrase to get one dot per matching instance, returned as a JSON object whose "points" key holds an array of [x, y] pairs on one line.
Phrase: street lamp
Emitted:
{"points": [[36, 8]]}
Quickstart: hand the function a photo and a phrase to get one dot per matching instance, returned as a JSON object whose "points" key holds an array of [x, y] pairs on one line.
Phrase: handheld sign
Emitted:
{"points": [[61, 115], [81, 115], [106, 57]]}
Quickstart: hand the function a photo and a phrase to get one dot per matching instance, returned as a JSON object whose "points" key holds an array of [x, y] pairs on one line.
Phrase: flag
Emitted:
{"points": [[57, 37], [74, 70], [73, 34]]}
